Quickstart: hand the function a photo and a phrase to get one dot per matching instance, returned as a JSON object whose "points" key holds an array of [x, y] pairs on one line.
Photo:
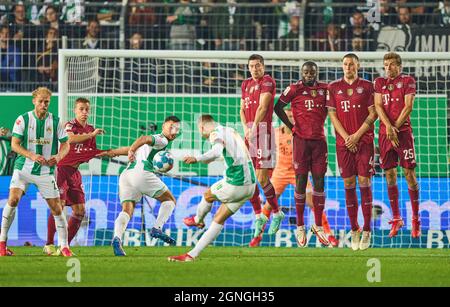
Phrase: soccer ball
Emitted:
{"points": [[163, 161]]}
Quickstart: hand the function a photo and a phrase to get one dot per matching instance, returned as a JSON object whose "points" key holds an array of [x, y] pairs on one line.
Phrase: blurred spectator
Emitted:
{"points": [[51, 18], [358, 35], [47, 58], [387, 12], [4, 14], [138, 71], [404, 15], [143, 19], [11, 63], [72, 11], [136, 41], [266, 24], [91, 40], [204, 31], [183, 21], [444, 13], [330, 41], [290, 41], [230, 26], [107, 15], [284, 13], [19, 25]]}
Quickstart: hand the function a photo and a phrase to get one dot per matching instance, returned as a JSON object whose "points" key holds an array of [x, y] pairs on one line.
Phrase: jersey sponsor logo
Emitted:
{"points": [[39, 141], [349, 91], [309, 104], [400, 85], [390, 87], [286, 91], [345, 105], [359, 90], [313, 93]]}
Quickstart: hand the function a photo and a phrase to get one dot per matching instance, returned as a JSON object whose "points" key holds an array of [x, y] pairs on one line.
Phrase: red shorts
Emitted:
{"points": [[360, 163], [263, 151], [389, 155], [70, 185], [310, 155]]}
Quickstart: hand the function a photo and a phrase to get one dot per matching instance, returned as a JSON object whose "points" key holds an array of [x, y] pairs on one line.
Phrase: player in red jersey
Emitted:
{"points": [[394, 99], [284, 175], [308, 100], [83, 147], [258, 93], [351, 110]]}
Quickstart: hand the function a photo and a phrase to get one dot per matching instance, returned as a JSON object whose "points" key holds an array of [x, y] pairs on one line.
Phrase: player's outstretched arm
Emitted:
{"points": [[209, 156], [17, 147], [80, 138], [407, 109], [279, 110], [63, 151], [111, 153], [390, 129]]}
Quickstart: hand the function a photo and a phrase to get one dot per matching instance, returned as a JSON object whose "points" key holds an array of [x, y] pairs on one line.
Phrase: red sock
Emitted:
{"points": [[271, 197], [351, 201], [414, 196], [366, 205], [300, 200], [393, 199], [73, 226], [256, 201], [51, 230], [319, 206]]}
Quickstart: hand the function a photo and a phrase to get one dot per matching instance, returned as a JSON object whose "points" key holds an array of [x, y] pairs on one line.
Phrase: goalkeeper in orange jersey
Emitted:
{"points": [[284, 174]]}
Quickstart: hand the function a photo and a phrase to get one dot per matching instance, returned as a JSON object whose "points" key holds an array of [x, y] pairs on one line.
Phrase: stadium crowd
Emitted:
{"points": [[31, 31]]}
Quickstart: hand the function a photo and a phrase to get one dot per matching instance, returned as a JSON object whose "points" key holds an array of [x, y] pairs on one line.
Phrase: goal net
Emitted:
{"points": [[131, 93]]}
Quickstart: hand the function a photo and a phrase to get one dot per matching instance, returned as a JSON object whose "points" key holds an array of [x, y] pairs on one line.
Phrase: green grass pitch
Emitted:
{"points": [[229, 266]]}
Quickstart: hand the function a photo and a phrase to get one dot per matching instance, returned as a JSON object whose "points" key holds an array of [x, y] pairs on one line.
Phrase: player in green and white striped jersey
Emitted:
{"points": [[35, 139], [139, 179], [237, 186]]}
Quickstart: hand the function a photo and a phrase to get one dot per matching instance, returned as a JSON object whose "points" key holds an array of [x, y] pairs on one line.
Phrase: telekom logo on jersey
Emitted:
{"points": [[345, 105]]}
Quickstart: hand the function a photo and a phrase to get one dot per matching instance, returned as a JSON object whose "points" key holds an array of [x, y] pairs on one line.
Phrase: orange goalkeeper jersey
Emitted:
{"points": [[283, 140]]}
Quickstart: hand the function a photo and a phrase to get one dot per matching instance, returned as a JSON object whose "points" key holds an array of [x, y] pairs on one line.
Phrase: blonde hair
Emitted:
{"points": [[41, 90], [393, 56]]}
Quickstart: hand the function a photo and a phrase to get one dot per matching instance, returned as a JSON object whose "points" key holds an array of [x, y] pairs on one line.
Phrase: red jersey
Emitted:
{"points": [[393, 94], [309, 109], [352, 104], [79, 152], [251, 91]]}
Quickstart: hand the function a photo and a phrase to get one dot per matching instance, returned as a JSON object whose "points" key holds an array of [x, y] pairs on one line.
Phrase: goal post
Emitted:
{"points": [[132, 91]]}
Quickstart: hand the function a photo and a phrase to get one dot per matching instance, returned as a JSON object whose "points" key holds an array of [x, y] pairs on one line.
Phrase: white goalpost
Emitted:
{"points": [[131, 92]]}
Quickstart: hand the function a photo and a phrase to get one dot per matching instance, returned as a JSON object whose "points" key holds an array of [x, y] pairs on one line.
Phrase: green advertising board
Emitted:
{"points": [[125, 117]]}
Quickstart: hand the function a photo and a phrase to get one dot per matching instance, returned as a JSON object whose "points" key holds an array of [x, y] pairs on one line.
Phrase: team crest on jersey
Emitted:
{"points": [[359, 90], [400, 85], [390, 87], [49, 129], [349, 91], [313, 93], [257, 87], [321, 92]]}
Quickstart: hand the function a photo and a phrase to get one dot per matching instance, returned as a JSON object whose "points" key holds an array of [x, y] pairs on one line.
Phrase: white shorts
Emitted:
{"points": [[135, 183], [46, 184], [232, 196]]}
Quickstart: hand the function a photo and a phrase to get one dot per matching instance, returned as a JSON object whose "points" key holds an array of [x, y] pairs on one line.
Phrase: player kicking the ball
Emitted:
{"points": [[394, 99], [352, 112], [83, 147], [35, 139], [139, 179], [233, 191], [310, 153]]}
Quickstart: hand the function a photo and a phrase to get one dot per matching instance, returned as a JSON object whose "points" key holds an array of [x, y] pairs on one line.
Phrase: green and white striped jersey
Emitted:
{"points": [[145, 153], [239, 168], [39, 136]]}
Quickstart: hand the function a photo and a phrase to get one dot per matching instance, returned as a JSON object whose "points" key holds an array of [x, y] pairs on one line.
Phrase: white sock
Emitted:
{"points": [[203, 209], [61, 227], [7, 218], [165, 211], [208, 237], [277, 214], [120, 225]]}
